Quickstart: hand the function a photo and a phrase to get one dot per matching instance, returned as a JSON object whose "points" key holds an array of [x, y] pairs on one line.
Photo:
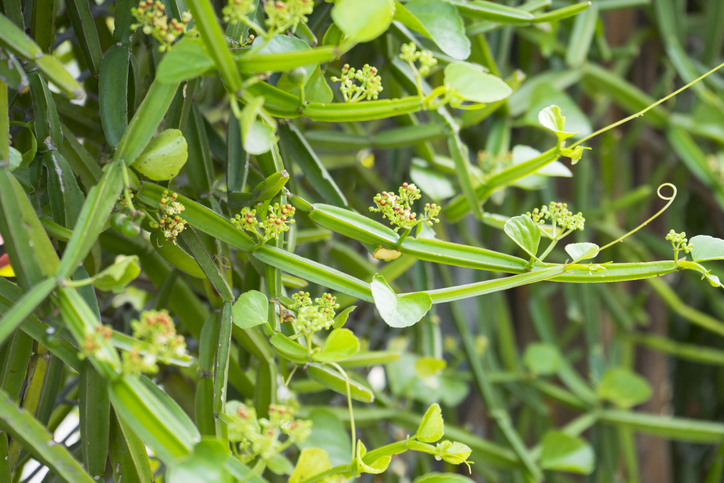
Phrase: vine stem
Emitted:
{"points": [[641, 113], [349, 405]]}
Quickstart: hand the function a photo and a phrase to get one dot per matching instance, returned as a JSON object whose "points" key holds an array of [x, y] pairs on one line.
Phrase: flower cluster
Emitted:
{"points": [[410, 54], [283, 15], [312, 317], [679, 242], [370, 84], [94, 340], [158, 330], [274, 222], [261, 437], [398, 209], [171, 223], [237, 10], [151, 17], [558, 213]]}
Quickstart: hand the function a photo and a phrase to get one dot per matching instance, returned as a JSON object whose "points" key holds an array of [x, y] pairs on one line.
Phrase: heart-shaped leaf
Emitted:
{"points": [[164, 156], [623, 387], [551, 118], [523, 231], [363, 20], [117, 276], [542, 358], [582, 251], [250, 309], [473, 84], [441, 23], [399, 310], [340, 344], [432, 425], [562, 452], [707, 248]]}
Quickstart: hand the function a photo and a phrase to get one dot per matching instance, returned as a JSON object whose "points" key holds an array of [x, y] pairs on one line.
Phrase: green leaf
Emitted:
{"points": [[398, 311], [542, 358], [473, 84], [623, 387], [442, 478], [432, 426], [289, 349], [204, 463], [545, 94], [250, 309], [116, 277], [582, 251], [164, 156], [329, 434], [280, 465], [339, 345], [270, 187], [186, 60], [562, 452], [175, 255], [523, 231], [426, 367], [551, 118], [341, 318], [257, 137], [442, 24], [311, 462], [363, 20], [707, 248]]}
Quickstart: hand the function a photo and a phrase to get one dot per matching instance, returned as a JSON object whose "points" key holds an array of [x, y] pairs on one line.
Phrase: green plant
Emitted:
{"points": [[198, 249]]}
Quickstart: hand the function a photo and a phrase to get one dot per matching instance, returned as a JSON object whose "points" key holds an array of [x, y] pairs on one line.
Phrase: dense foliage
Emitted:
{"points": [[310, 242]]}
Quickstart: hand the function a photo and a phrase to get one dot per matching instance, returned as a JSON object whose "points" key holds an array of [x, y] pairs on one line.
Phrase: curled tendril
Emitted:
{"points": [[669, 200]]}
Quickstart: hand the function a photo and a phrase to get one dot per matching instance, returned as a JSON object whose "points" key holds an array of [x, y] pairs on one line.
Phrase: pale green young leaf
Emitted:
{"points": [[582, 251], [164, 156], [524, 232], [339, 345], [398, 311], [562, 452], [363, 20], [551, 118], [250, 309], [623, 387], [707, 248], [432, 425], [542, 358], [374, 467], [311, 462], [472, 83], [341, 318], [426, 367], [442, 24], [116, 277]]}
